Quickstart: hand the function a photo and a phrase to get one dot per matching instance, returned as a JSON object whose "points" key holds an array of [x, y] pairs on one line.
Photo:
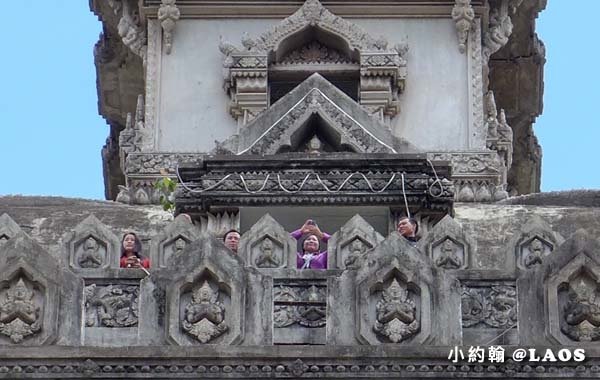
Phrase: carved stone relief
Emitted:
{"points": [[129, 27], [299, 311], [90, 253], [463, 15], [477, 176], [500, 28], [173, 240], [268, 246], [21, 310], [248, 66], [580, 317], [489, 306], [534, 244], [112, 306], [168, 14], [447, 244], [499, 133], [449, 254], [268, 254], [396, 314], [92, 246], [204, 315], [349, 246]]}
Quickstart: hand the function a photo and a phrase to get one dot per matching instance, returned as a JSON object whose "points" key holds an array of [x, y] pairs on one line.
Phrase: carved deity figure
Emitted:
{"points": [[501, 28], [449, 258], [180, 244], [168, 14], [3, 239], [315, 146], [19, 315], [91, 256], [396, 314], [536, 253], [582, 312], [267, 258], [111, 306], [356, 251], [204, 315], [463, 15]]}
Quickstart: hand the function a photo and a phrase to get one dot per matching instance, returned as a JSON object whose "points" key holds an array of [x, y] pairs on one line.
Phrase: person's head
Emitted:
{"points": [[232, 240], [311, 244], [90, 243], [131, 244], [408, 227]]}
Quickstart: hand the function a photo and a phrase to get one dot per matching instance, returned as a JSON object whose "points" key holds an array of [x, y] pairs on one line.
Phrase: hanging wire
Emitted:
{"points": [[405, 200], [437, 180]]}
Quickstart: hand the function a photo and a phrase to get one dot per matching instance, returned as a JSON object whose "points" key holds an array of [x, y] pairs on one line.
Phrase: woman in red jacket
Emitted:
{"points": [[131, 248]]}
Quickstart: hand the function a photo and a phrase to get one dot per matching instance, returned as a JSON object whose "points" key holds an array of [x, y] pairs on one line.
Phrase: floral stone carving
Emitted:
{"points": [[305, 306], [204, 315], [396, 314], [111, 305], [494, 306], [19, 314]]}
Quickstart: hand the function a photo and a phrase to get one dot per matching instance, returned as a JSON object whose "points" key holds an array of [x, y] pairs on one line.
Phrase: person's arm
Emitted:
{"points": [[296, 234], [326, 237]]}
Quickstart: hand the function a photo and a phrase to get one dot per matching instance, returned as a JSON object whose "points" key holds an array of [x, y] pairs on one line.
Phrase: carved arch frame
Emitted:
{"points": [[382, 70]]}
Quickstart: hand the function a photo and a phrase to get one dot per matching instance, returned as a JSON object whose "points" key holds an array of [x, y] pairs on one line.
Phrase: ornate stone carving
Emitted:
{"points": [[396, 314], [535, 243], [173, 240], [315, 53], [348, 247], [267, 245], [449, 254], [499, 133], [267, 258], [111, 305], [222, 183], [168, 14], [204, 314], [131, 32], [463, 15], [376, 60], [499, 30], [135, 137], [20, 315], [581, 312], [494, 306], [92, 246], [306, 306], [477, 176], [90, 255], [476, 68]]}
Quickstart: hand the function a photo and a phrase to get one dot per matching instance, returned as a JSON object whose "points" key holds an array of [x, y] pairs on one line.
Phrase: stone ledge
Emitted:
{"points": [[568, 198]]}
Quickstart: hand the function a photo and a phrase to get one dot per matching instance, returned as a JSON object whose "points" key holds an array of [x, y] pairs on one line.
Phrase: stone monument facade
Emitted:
{"points": [[268, 113]]}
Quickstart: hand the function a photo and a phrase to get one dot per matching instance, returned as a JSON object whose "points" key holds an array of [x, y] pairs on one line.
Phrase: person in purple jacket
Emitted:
{"points": [[311, 257]]}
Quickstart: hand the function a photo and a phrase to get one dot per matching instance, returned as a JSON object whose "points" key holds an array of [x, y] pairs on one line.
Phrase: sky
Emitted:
{"points": [[52, 135]]}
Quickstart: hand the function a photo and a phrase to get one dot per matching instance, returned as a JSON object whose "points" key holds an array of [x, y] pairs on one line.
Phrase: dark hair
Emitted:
{"points": [[230, 231], [137, 248], [412, 221]]}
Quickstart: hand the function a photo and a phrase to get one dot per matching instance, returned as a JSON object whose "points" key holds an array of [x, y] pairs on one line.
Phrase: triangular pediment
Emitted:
{"points": [[315, 108]]}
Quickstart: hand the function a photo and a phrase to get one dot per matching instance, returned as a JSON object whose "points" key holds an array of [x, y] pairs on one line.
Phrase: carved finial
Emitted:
{"points": [[139, 109], [463, 15], [128, 121], [312, 10], [168, 14]]}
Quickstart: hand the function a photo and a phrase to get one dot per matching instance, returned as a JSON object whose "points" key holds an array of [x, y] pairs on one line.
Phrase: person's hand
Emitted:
{"points": [[133, 262], [305, 229], [314, 230]]}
